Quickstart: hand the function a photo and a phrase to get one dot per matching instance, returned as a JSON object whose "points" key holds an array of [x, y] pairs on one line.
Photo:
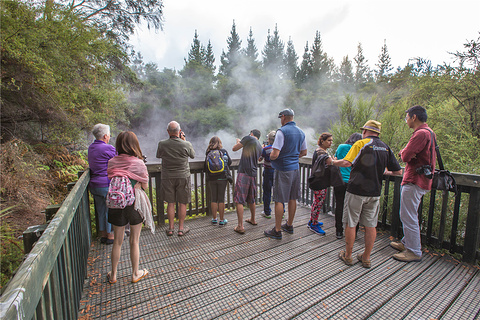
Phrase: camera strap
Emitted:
{"points": [[437, 150]]}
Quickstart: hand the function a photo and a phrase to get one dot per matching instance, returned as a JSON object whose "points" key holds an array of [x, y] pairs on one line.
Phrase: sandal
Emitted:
{"points": [[145, 272], [238, 230], [183, 232], [365, 263], [348, 261], [251, 222], [110, 279], [169, 232]]}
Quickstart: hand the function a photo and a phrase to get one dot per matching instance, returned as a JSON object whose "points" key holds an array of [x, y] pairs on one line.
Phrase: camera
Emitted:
{"points": [[182, 135], [425, 170]]}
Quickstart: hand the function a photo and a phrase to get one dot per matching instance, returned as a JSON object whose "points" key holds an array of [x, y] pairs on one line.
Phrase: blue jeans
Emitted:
{"points": [[99, 198], [267, 189]]}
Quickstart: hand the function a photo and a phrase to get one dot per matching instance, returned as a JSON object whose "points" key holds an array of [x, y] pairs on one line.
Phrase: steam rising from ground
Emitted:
{"points": [[255, 103]]}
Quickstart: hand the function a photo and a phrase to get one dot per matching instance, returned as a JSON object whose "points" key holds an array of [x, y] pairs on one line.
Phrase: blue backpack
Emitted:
{"points": [[215, 162]]}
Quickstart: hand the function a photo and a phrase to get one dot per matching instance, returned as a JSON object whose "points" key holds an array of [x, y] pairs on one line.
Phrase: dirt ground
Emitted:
{"points": [[20, 220]]}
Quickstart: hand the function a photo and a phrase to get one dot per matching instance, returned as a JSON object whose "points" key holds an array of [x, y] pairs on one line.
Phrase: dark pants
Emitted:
{"points": [[267, 189], [339, 199]]}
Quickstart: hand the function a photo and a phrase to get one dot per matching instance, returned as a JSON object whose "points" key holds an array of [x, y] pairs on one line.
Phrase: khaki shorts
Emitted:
{"points": [[176, 190], [360, 209]]}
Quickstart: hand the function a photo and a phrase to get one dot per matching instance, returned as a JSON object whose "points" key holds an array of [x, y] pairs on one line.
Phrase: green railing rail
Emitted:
{"points": [[49, 283]]}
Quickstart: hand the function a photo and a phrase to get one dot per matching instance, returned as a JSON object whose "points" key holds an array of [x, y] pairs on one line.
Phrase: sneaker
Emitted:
{"points": [[407, 256], [287, 228], [214, 221], [268, 216], [223, 222], [317, 229], [339, 235], [319, 223], [397, 245], [274, 234]]}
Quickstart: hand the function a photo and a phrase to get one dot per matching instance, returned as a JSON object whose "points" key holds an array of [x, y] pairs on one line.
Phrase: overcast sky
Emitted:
{"points": [[427, 29]]}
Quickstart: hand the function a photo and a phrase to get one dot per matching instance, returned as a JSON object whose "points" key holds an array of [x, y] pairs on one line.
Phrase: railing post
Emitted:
{"points": [[472, 232], [160, 206], [396, 207]]}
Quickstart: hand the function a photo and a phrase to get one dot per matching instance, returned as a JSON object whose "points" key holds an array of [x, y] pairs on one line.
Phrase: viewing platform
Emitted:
{"points": [[215, 273]]}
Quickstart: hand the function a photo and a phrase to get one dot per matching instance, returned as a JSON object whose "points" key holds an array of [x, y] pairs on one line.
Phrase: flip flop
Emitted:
{"points": [[109, 280], [238, 230], [145, 272], [250, 221]]}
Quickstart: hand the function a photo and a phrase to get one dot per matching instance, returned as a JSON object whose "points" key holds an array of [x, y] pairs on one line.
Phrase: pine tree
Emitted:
{"points": [[251, 52], [231, 58], [321, 65], [291, 59], [273, 53], [346, 73], [362, 72], [384, 63], [305, 68], [195, 54], [209, 58]]}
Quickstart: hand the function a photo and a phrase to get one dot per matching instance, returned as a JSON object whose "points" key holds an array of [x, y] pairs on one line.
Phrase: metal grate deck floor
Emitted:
{"points": [[215, 273]]}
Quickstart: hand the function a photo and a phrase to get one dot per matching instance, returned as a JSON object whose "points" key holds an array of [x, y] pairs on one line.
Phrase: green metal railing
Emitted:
{"points": [[49, 283]]}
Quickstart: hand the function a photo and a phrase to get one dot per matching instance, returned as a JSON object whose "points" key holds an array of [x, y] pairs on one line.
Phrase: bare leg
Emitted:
{"points": [[171, 215], [292, 209], [135, 250], [370, 236], [278, 215], [239, 215], [182, 213], [221, 210], [252, 212], [214, 207], [349, 240], [116, 250]]}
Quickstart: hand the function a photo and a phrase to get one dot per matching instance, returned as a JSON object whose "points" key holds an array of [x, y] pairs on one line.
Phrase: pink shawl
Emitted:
{"points": [[129, 166]]}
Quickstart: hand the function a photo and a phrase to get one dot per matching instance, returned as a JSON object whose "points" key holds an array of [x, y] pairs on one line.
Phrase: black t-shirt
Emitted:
{"points": [[369, 158], [251, 152]]}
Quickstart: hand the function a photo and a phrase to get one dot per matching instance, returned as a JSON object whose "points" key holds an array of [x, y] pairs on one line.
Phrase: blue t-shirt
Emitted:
{"points": [[342, 151], [266, 156]]}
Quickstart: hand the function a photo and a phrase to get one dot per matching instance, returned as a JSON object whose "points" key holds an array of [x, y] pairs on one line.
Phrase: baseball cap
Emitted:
{"points": [[286, 112]]}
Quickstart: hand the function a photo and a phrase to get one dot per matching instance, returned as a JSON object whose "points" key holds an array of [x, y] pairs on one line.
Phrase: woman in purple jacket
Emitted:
{"points": [[99, 152]]}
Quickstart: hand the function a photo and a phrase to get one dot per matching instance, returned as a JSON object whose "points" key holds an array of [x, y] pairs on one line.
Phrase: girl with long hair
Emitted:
{"points": [[129, 163], [324, 142], [217, 182]]}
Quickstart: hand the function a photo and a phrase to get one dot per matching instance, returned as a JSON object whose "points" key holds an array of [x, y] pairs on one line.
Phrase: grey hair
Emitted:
{"points": [[173, 127], [99, 130]]}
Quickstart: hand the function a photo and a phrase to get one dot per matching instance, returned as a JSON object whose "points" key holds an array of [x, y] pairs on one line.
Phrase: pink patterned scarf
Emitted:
{"points": [[129, 166]]}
